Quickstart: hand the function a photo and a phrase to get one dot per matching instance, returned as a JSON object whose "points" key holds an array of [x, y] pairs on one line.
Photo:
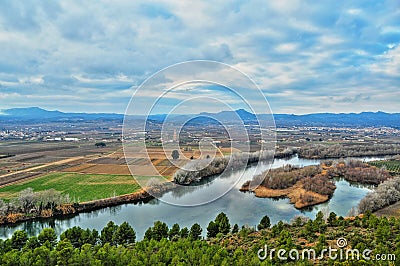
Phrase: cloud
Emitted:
{"points": [[305, 56]]}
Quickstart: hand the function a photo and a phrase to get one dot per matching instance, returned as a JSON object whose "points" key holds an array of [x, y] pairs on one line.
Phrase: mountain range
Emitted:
{"points": [[363, 119]]}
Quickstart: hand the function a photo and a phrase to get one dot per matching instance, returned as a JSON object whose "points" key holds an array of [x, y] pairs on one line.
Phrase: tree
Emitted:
{"points": [[148, 235], [175, 154], [160, 231], [74, 235], [125, 234], [18, 239], [212, 229], [235, 229], [332, 219], [32, 243], [48, 235], [26, 199], [174, 232], [108, 233], [64, 252], [223, 223], [100, 145], [195, 232], [264, 223], [321, 243], [184, 233]]}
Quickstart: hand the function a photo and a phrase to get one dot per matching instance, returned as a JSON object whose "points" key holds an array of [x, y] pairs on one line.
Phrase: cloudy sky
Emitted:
{"points": [[306, 56]]}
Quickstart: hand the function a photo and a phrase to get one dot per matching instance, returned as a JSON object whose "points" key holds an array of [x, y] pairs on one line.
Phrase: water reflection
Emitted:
{"points": [[241, 208]]}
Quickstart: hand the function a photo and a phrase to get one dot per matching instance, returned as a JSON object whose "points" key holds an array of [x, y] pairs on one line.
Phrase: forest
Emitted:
{"points": [[224, 244], [323, 151]]}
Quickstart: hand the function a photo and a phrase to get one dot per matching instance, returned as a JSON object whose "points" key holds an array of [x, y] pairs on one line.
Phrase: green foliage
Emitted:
{"points": [[79, 187], [195, 232], [222, 222], [19, 239], [235, 229], [78, 237], [212, 229], [332, 219], [48, 237], [159, 231], [32, 243], [264, 223], [393, 166], [108, 233], [175, 154], [173, 233], [125, 234], [118, 247], [100, 145], [184, 233]]}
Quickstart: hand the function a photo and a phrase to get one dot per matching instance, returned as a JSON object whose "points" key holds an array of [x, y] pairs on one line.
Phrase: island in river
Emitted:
{"points": [[312, 185]]}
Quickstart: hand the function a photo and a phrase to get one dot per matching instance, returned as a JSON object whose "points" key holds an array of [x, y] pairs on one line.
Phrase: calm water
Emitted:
{"points": [[241, 208]]}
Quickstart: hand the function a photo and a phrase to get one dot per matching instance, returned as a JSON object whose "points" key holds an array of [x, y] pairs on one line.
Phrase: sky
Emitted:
{"points": [[305, 56]]}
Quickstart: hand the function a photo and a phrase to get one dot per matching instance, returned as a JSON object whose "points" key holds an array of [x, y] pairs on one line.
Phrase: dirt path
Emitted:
{"points": [[64, 161]]}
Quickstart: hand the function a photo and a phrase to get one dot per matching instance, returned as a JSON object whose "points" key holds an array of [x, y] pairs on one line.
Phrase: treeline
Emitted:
{"points": [[195, 170], [320, 151], [355, 171], [116, 244], [43, 203], [384, 195]]}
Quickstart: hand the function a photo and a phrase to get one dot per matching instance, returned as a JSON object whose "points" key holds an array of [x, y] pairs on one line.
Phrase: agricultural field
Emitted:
{"points": [[84, 171], [393, 166], [80, 187]]}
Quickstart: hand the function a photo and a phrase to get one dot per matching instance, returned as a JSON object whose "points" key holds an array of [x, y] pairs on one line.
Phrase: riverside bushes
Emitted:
{"points": [[384, 195], [195, 170]]}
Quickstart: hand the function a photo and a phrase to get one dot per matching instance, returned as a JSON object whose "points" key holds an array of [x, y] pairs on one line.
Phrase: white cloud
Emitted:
{"points": [[72, 48]]}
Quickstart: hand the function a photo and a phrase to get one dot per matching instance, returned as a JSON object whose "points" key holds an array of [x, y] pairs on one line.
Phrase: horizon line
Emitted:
{"points": [[272, 113]]}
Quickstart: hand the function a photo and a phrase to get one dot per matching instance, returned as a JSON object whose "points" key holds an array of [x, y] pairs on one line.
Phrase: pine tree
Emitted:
{"points": [[264, 223], [195, 232], [223, 223], [212, 229]]}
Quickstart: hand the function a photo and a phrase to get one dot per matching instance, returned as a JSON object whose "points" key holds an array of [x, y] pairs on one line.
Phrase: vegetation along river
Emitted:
{"points": [[241, 208]]}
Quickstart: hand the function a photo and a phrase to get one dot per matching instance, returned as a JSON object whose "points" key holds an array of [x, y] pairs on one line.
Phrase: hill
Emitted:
{"points": [[363, 119]]}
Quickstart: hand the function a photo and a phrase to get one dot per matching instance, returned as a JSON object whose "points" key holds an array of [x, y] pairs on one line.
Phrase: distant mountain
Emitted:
{"points": [[363, 119], [36, 113], [31, 112]]}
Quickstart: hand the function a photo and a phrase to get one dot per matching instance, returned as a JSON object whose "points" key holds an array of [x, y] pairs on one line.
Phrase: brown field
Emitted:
{"points": [[34, 159]]}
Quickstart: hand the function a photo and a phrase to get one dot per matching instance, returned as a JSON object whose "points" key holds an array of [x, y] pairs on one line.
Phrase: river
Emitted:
{"points": [[241, 208]]}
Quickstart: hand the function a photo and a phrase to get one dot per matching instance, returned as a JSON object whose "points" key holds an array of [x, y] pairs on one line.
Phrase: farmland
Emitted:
{"points": [[83, 171], [80, 187], [393, 166]]}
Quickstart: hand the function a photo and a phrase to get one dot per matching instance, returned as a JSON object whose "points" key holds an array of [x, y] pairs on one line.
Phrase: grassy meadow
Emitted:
{"points": [[80, 187]]}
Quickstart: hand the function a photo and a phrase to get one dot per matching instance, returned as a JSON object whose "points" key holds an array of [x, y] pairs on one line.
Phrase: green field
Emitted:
{"points": [[392, 166], [80, 187]]}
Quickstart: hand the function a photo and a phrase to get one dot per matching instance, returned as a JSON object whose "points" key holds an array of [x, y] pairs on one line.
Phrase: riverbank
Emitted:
{"points": [[70, 210]]}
